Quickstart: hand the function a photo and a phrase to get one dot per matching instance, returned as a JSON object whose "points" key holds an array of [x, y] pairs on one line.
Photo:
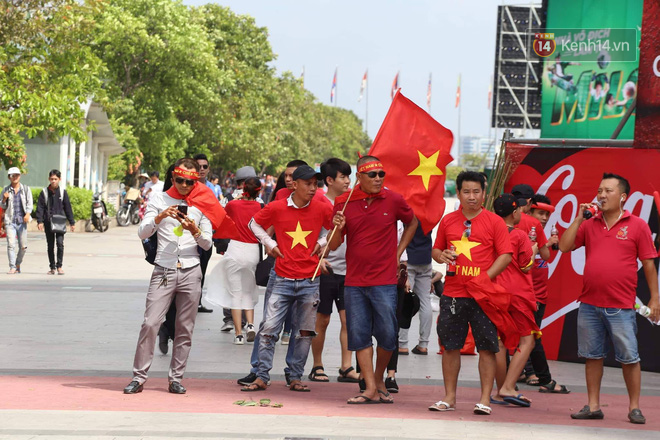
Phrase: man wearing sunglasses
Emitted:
{"points": [[372, 259], [481, 245], [205, 255], [177, 273]]}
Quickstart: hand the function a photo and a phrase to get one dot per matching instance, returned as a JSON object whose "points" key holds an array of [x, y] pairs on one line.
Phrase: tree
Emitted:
{"points": [[473, 161], [46, 72]]}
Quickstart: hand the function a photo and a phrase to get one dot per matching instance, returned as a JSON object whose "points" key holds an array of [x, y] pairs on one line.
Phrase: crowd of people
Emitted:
{"points": [[363, 250]]}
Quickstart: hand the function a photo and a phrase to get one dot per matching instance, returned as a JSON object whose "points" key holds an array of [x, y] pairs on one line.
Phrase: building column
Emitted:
{"points": [[88, 159], [93, 175], [64, 149], [69, 174]]}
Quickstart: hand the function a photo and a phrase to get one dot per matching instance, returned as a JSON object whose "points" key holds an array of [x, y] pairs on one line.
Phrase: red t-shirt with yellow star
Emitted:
{"points": [[489, 238], [297, 231], [526, 224]]}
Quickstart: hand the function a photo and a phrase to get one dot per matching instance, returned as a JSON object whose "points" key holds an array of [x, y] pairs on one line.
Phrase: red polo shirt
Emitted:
{"points": [[297, 231], [526, 224], [610, 269], [512, 278], [489, 238], [371, 239], [242, 211], [540, 279]]}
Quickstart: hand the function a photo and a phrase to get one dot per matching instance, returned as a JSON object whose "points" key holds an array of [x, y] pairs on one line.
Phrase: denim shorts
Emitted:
{"points": [[371, 311], [597, 324]]}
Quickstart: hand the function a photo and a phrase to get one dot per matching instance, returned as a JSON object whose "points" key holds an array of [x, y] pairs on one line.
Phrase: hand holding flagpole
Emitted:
{"points": [[325, 250]]}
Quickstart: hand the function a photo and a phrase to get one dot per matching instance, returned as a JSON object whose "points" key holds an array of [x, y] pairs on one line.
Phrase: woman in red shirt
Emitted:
{"points": [[231, 283]]}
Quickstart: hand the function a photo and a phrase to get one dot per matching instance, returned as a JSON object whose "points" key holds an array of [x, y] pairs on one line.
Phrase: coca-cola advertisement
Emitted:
{"points": [[647, 124], [569, 177]]}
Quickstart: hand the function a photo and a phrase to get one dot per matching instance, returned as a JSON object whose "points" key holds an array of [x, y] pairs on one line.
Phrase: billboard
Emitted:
{"points": [[590, 79], [647, 123], [570, 176]]}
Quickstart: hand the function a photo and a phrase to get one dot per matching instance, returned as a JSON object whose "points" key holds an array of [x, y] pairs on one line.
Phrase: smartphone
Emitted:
{"points": [[183, 209]]}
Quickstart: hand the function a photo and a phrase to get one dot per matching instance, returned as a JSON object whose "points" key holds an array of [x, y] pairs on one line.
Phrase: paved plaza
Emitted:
{"points": [[68, 344]]}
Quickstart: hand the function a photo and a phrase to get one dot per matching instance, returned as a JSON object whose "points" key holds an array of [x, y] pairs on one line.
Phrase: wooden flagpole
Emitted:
{"points": [[332, 234]]}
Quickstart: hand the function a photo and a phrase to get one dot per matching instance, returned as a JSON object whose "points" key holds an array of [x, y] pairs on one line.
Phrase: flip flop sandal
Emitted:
{"points": [[314, 376], [482, 410], [343, 376], [299, 387], [254, 387], [498, 402], [364, 401], [518, 400], [385, 394], [550, 388], [51, 272], [438, 406]]}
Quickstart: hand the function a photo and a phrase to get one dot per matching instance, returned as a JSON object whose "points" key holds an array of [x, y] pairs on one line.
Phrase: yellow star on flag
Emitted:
{"points": [[299, 236], [427, 167], [463, 246]]}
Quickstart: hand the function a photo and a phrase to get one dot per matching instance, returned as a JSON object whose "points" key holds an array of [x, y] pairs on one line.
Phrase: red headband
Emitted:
{"points": [[543, 206], [182, 172], [369, 166]]}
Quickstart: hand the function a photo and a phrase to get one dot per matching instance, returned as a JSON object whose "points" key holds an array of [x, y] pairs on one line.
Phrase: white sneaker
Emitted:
{"points": [[285, 338], [250, 332], [238, 340], [227, 326]]}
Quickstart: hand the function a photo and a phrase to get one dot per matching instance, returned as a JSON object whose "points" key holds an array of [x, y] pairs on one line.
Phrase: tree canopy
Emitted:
{"points": [[175, 81]]}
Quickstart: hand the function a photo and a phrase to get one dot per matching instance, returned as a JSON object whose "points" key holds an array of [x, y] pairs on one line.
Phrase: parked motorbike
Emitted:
{"points": [[128, 213], [100, 219]]}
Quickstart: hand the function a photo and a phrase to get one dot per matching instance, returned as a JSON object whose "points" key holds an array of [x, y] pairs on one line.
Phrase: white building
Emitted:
{"points": [[478, 145], [83, 164]]}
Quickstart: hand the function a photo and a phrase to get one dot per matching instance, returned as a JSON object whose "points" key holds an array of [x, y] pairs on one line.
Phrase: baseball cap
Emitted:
{"points": [[13, 170], [505, 204], [523, 191], [245, 172], [305, 172]]}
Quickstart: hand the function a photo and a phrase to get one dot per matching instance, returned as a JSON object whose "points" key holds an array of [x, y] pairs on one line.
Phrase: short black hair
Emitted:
{"points": [[55, 173], [334, 166], [541, 198], [470, 176], [188, 163], [296, 163], [154, 173], [200, 156], [366, 159], [624, 185]]}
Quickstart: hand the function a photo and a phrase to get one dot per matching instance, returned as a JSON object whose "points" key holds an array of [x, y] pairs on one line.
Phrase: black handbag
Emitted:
{"points": [[150, 246], [57, 221], [262, 273]]}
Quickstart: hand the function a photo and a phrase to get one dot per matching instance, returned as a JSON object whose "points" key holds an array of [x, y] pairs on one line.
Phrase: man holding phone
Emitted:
{"points": [[177, 273]]}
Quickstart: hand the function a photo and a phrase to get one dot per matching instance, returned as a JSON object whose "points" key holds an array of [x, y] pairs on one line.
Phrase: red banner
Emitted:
{"points": [[647, 122], [570, 176]]}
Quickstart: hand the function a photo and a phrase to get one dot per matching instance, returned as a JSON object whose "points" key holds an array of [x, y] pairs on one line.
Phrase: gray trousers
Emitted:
{"points": [[419, 278], [185, 286]]}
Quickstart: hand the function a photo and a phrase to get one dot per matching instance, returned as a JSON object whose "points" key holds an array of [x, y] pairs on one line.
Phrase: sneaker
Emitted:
{"points": [[391, 385], [227, 326], [285, 338], [239, 340], [247, 380], [249, 329]]}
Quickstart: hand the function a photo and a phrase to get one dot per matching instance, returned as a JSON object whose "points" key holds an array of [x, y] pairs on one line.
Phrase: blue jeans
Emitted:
{"points": [[304, 295], [595, 324], [16, 232], [254, 359], [371, 311]]}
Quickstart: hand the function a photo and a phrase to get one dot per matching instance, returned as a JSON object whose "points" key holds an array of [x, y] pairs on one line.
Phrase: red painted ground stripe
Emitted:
{"points": [[217, 396]]}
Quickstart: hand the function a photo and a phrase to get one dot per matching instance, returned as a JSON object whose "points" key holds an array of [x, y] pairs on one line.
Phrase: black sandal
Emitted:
{"points": [[343, 376], [549, 388], [314, 376], [299, 387]]}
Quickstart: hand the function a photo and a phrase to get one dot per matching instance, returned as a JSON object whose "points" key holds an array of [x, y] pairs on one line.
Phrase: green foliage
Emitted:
{"points": [[452, 172], [474, 161], [46, 72], [81, 202]]}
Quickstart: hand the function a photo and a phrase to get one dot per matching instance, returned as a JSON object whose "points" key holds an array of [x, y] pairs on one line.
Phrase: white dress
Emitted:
{"points": [[231, 283]]}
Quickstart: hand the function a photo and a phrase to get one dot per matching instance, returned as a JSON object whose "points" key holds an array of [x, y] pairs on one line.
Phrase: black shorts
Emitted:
{"points": [[453, 327], [331, 290]]}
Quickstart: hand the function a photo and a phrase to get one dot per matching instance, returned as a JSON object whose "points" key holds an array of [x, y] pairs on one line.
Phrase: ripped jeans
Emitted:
{"points": [[16, 238], [303, 296]]}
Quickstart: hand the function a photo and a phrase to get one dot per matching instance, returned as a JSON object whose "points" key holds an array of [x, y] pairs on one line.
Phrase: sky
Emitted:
{"points": [[444, 38]]}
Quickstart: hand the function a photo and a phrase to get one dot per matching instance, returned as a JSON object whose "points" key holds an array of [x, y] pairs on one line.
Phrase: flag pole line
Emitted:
{"points": [[332, 234]]}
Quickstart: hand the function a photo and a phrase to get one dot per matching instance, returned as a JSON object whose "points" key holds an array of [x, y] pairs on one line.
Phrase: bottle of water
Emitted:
{"points": [[532, 234], [553, 233], [645, 311], [451, 267]]}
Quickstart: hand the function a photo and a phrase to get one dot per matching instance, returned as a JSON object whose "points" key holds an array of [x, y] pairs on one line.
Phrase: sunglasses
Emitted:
{"points": [[373, 174], [468, 230], [204, 167], [181, 180]]}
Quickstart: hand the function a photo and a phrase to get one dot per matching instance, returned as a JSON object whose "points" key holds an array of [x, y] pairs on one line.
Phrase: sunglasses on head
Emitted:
{"points": [[468, 230], [373, 174], [181, 180], [203, 167]]}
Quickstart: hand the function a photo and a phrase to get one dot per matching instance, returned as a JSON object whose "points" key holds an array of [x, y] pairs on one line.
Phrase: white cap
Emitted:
{"points": [[13, 170]]}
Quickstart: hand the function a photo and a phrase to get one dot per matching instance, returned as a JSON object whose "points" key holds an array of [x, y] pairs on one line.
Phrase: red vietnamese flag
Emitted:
{"points": [[414, 149]]}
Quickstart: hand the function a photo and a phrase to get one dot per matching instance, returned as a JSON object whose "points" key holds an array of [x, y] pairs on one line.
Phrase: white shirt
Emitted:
{"points": [[173, 249]]}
